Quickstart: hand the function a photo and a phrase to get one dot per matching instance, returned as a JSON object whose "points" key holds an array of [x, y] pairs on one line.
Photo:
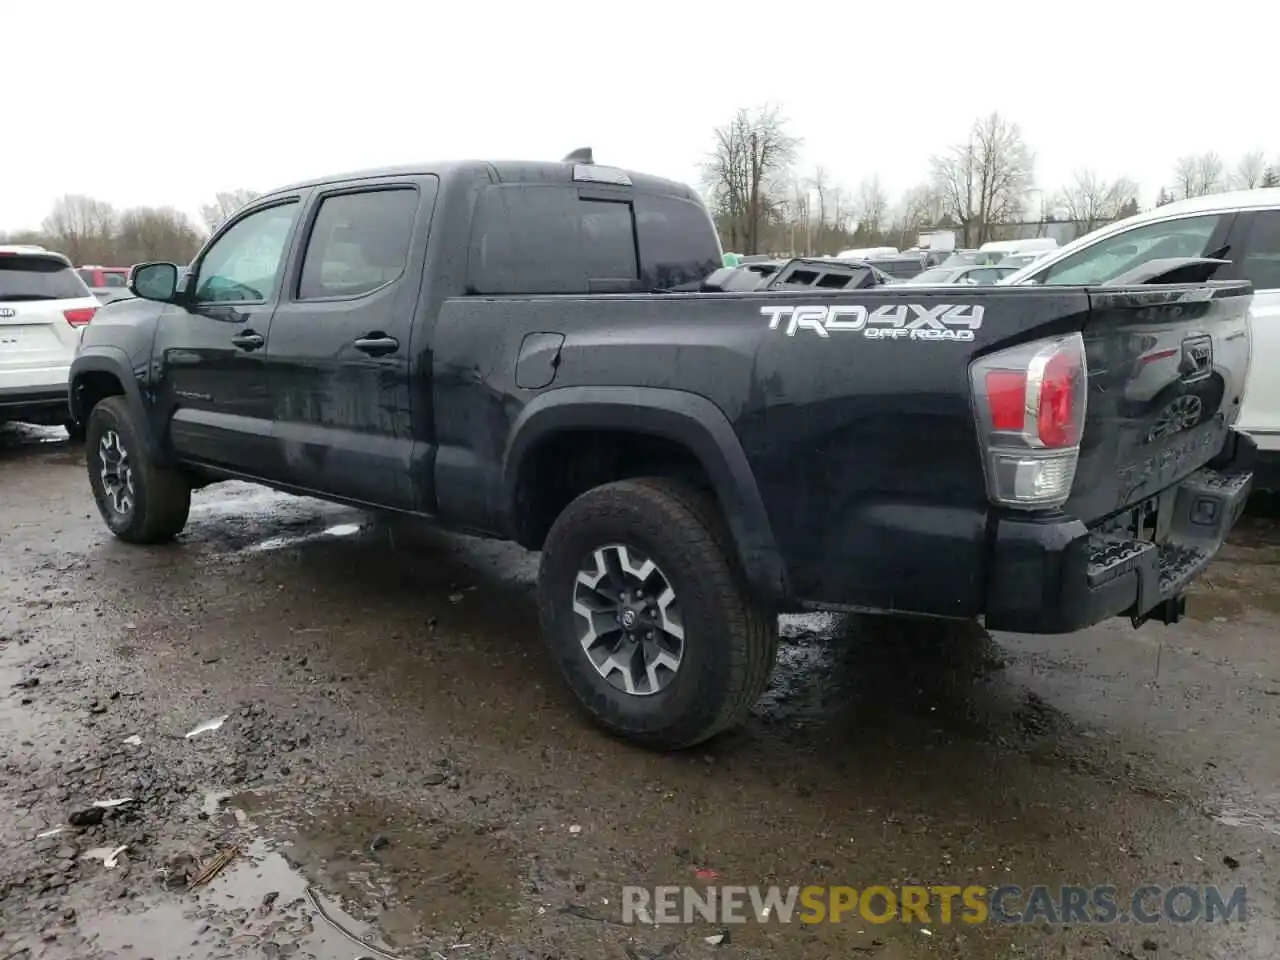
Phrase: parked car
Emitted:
{"points": [[901, 267], [44, 306], [1241, 227], [1015, 261], [689, 464], [106, 283], [966, 274], [972, 258]]}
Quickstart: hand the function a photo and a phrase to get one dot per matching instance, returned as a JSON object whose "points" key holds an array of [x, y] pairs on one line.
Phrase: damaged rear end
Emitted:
{"points": [[1113, 457]]}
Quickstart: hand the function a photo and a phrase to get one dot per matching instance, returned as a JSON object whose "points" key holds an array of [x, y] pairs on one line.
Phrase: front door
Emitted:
{"points": [[339, 355], [211, 342]]}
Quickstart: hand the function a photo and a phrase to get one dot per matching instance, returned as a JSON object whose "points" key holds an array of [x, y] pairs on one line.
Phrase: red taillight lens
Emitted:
{"points": [[1061, 386], [80, 315], [1030, 406], [1007, 397]]}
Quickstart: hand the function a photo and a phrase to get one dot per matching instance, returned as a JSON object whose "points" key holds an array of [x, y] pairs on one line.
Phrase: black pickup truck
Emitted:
{"points": [[549, 352]]}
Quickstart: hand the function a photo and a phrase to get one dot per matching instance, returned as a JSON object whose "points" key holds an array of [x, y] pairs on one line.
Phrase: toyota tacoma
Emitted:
{"points": [[554, 353]]}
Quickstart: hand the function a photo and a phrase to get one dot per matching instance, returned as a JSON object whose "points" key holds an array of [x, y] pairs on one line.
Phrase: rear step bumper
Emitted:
{"points": [[1058, 577]]}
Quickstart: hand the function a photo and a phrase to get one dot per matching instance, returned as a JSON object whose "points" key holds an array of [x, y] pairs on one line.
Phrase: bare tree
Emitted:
{"points": [[157, 233], [82, 228], [225, 203], [871, 208], [1091, 201], [819, 183], [839, 209], [1197, 175], [1271, 177], [922, 206], [1250, 171], [985, 180], [745, 173]]}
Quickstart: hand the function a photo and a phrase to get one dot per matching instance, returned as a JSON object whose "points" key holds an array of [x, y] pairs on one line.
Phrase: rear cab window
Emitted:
{"points": [[574, 239], [33, 277]]}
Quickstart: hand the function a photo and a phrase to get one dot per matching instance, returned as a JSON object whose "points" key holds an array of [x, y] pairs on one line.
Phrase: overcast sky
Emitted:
{"points": [[141, 102]]}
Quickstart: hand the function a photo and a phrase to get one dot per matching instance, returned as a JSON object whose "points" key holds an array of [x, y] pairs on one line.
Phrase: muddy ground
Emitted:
{"points": [[398, 764]]}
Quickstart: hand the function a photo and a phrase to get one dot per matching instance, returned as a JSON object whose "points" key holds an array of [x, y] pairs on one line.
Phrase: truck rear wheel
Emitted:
{"points": [[140, 502], [649, 616]]}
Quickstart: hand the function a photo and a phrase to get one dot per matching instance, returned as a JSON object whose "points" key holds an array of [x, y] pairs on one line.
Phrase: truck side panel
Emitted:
{"points": [[852, 411]]}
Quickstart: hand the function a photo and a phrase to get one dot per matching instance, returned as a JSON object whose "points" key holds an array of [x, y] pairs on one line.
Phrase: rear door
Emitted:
{"points": [[1256, 256], [43, 305], [339, 359], [211, 344]]}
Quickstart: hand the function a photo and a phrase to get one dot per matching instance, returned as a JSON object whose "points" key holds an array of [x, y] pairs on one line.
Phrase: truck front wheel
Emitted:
{"points": [[649, 616], [140, 502]]}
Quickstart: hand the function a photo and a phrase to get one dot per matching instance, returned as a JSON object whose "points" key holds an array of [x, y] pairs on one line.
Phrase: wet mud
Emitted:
{"points": [[398, 773]]}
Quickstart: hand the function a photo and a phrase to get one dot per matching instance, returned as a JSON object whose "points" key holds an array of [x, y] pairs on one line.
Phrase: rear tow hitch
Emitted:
{"points": [[1167, 612]]}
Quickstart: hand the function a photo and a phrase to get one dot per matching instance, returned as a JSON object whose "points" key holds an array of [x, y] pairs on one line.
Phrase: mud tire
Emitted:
{"points": [[161, 496], [730, 639]]}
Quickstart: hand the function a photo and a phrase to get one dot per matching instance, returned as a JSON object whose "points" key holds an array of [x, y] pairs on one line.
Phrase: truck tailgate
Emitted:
{"points": [[1167, 368]]}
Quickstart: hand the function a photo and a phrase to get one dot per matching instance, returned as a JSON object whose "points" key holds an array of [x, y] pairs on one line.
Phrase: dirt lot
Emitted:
{"points": [[399, 765]]}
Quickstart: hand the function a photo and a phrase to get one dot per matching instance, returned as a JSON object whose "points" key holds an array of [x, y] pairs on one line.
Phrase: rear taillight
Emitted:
{"points": [[80, 315], [1030, 406]]}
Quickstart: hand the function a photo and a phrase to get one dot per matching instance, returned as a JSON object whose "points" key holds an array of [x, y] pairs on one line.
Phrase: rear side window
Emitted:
{"points": [[38, 278], [678, 241], [1261, 262], [360, 242]]}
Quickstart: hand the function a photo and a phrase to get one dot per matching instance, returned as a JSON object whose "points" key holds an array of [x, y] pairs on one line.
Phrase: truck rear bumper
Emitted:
{"points": [[1057, 576]]}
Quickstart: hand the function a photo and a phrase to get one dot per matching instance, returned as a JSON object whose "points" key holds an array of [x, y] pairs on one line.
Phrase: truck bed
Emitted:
{"points": [[854, 411]]}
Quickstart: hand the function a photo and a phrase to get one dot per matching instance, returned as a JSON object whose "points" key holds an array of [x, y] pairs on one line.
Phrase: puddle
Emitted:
{"points": [[297, 539], [412, 871], [258, 906], [1232, 815]]}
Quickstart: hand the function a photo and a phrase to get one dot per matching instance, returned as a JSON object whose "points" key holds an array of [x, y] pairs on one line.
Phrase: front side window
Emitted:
{"points": [[243, 265], [360, 242], [1260, 264], [1122, 252]]}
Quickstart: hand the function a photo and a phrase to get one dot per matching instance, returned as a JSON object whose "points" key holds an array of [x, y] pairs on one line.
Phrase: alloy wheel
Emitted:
{"points": [[632, 629]]}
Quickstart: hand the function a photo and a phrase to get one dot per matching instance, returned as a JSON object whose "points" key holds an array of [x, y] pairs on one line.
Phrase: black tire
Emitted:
{"points": [[161, 497], [75, 431], [730, 640]]}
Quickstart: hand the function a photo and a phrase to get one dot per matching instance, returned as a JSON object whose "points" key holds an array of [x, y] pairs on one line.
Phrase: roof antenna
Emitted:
{"points": [[581, 155]]}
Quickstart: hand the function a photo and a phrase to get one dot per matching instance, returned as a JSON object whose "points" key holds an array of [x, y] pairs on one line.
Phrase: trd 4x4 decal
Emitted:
{"points": [[900, 321]]}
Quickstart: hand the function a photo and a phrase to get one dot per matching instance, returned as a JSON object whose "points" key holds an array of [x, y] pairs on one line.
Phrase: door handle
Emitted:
{"points": [[377, 344], [249, 341]]}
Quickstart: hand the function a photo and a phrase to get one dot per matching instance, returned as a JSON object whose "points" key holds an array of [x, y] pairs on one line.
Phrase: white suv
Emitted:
{"points": [[44, 305], [1243, 227]]}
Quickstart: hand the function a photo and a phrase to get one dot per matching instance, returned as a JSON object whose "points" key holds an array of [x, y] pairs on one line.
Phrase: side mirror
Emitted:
{"points": [[154, 281]]}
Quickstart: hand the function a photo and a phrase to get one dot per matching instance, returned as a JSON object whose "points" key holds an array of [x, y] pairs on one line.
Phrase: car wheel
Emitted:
{"points": [[140, 502], [648, 615]]}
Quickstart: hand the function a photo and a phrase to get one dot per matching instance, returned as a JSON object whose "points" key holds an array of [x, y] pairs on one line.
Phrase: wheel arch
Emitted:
{"points": [[690, 422], [102, 371]]}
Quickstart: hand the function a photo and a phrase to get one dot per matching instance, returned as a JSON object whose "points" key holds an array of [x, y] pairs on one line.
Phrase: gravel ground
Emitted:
{"points": [[397, 772]]}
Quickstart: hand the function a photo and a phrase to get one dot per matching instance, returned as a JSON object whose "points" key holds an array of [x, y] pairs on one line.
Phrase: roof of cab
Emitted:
{"points": [[500, 171]]}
